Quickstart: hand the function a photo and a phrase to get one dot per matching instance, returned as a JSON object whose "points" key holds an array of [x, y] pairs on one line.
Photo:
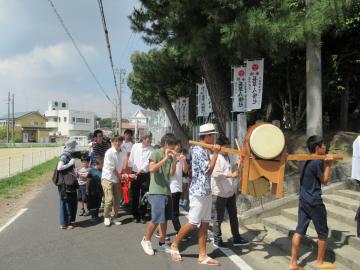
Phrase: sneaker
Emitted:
{"points": [[147, 247], [63, 227], [157, 235], [165, 248], [240, 242], [82, 212], [219, 244], [116, 222], [107, 222], [86, 213]]}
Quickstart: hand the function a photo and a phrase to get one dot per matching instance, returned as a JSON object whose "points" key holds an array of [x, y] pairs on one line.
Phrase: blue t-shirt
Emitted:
{"points": [[95, 180], [310, 182]]}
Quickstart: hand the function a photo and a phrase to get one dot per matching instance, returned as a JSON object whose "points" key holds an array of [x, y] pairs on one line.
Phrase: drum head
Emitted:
{"points": [[267, 141]]}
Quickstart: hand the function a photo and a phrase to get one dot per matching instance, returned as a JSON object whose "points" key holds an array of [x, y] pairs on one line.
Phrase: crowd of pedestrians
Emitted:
{"points": [[152, 183]]}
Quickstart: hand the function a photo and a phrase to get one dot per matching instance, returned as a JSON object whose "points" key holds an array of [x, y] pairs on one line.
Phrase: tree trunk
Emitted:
{"points": [[178, 130], [219, 91], [313, 83], [345, 105]]}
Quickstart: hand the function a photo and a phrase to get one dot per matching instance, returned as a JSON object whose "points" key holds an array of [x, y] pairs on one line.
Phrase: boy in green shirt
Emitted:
{"points": [[161, 161]]}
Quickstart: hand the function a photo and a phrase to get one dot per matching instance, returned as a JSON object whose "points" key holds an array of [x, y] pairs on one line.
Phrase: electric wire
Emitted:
{"points": [[107, 40], [78, 50]]}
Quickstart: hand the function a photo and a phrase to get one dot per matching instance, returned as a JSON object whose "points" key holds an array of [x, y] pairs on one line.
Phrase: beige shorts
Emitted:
{"points": [[200, 209]]}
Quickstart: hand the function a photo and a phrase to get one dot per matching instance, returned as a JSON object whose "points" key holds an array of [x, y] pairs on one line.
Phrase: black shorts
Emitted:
{"points": [[82, 194], [316, 213]]}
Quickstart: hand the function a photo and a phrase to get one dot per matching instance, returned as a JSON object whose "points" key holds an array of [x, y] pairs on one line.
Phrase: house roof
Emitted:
{"points": [[18, 115], [146, 113]]}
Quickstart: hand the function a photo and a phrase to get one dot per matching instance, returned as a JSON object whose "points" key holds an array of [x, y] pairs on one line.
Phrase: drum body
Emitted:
{"points": [[266, 141], [264, 155]]}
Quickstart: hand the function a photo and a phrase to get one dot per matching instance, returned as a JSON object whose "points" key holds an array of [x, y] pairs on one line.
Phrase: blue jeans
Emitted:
{"points": [[68, 209]]}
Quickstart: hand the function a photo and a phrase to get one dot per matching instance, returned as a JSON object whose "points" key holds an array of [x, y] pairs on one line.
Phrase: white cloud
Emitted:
{"points": [[41, 63]]}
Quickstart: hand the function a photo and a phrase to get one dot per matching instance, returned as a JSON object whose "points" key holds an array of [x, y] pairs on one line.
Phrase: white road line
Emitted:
{"points": [[22, 211], [236, 259]]}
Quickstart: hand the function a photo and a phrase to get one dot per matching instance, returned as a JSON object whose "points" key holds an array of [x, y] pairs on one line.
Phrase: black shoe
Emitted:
{"points": [[143, 221], [240, 242], [82, 212], [219, 244]]}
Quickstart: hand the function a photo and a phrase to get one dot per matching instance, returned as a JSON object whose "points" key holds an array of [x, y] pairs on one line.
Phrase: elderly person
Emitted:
{"points": [[67, 185], [139, 163]]}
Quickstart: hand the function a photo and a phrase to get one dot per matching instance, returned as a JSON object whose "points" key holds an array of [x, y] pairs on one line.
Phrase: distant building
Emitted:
{"points": [[29, 126], [66, 122], [155, 122]]}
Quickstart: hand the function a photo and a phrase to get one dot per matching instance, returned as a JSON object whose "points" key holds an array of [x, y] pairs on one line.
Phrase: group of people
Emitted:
{"points": [[156, 177]]}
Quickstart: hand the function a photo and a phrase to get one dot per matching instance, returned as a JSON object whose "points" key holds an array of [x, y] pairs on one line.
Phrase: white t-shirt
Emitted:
{"points": [[113, 165], [176, 180], [355, 170], [126, 147], [81, 180], [221, 185]]}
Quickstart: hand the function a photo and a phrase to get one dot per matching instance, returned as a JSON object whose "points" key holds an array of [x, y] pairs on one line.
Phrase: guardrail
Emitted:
{"points": [[13, 164]]}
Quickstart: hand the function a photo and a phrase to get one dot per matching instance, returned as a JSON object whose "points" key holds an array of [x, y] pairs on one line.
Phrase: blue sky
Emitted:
{"points": [[38, 61]]}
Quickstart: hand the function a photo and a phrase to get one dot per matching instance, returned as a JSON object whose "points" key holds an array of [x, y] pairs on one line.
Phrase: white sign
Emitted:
{"points": [[254, 84], [183, 111], [239, 93], [204, 107]]}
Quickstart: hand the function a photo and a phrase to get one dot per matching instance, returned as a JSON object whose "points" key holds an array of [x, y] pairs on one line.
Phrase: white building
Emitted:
{"points": [[66, 122], [156, 122]]}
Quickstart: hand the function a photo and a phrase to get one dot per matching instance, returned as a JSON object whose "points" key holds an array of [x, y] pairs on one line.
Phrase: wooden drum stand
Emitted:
{"points": [[264, 156]]}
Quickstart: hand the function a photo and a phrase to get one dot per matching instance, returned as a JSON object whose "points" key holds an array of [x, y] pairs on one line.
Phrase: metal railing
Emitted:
{"points": [[13, 164]]}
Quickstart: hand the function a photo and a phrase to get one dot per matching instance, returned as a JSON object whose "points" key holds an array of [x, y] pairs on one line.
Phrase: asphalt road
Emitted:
{"points": [[35, 242]]}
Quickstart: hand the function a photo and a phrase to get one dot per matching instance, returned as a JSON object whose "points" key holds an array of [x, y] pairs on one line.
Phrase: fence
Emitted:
{"points": [[13, 164]]}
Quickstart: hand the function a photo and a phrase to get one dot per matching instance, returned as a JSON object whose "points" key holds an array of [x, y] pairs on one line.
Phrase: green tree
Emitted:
{"points": [[193, 27], [157, 79]]}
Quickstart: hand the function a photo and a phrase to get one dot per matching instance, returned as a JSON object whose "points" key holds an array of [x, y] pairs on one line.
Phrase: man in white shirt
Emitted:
{"points": [[355, 174], [113, 165], [224, 197], [139, 163]]}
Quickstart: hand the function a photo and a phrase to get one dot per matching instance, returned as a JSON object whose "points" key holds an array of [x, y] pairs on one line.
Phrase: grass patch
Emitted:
{"points": [[16, 184]]}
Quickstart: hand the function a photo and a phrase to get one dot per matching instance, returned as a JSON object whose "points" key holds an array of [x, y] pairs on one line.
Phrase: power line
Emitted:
{"points": [[107, 39], [78, 50]]}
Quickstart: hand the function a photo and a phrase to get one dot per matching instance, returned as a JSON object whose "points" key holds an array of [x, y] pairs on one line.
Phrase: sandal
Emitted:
{"points": [[209, 261], [175, 255], [298, 268], [326, 265]]}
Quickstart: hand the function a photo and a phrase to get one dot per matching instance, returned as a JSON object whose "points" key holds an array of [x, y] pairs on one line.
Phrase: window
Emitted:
{"points": [[56, 103], [80, 120], [73, 119], [87, 120], [63, 105], [65, 119], [59, 119]]}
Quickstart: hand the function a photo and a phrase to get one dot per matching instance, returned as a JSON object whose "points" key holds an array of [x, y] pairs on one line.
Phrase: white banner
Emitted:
{"points": [[204, 107], [254, 84], [239, 93], [242, 128], [183, 111]]}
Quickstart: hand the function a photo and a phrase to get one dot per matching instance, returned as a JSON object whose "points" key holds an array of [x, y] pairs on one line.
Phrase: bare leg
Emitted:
{"points": [[296, 240], [150, 228], [162, 231], [320, 263], [184, 231], [202, 244]]}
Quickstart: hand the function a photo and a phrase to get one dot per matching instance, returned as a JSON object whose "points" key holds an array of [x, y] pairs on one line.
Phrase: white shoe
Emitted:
{"points": [[116, 222], [165, 248], [107, 222], [147, 247]]}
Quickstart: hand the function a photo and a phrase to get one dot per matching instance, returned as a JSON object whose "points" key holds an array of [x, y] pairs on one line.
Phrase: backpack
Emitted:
{"points": [[66, 180]]}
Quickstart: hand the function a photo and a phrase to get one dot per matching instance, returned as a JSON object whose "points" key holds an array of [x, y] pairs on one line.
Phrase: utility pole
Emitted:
{"points": [[13, 120], [121, 74], [8, 120]]}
